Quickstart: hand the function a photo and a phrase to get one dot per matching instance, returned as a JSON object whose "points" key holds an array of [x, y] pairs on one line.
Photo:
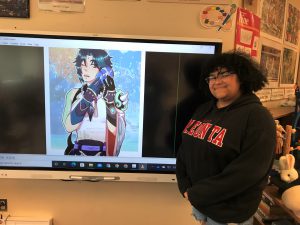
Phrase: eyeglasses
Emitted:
{"points": [[213, 76]]}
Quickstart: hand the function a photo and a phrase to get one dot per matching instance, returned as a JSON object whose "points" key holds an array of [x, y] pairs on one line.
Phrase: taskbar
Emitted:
{"points": [[113, 166]]}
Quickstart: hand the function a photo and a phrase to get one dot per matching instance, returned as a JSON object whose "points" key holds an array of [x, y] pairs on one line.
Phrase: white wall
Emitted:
{"points": [[88, 203], [123, 18], [120, 203]]}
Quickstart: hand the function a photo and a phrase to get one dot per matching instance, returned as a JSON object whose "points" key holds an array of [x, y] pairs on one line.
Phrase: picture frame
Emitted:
{"points": [[292, 25], [270, 61], [290, 59], [272, 21], [14, 8]]}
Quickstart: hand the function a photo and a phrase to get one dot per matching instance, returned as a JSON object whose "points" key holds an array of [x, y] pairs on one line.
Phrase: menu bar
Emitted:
{"points": [[113, 166]]}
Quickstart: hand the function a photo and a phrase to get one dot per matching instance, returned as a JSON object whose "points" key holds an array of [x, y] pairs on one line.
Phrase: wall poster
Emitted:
{"points": [[289, 66], [14, 8], [247, 32], [291, 32], [272, 18], [270, 61]]}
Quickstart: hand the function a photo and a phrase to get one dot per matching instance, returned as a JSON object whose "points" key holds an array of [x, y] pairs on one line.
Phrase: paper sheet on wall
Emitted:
{"points": [[264, 95], [289, 92], [62, 5], [204, 2], [247, 32], [277, 94]]}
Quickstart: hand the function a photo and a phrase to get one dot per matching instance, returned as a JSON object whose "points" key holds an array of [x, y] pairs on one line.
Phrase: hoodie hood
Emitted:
{"points": [[243, 100]]}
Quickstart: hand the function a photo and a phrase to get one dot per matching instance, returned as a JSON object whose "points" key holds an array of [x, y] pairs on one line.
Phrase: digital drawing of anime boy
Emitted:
{"points": [[96, 111]]}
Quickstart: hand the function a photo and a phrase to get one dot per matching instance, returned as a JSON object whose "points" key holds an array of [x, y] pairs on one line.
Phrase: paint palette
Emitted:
{"points": [[217, 16]]}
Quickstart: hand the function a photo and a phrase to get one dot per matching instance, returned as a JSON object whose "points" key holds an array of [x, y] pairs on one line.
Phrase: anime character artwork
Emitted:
{"points": [[96, 110]]}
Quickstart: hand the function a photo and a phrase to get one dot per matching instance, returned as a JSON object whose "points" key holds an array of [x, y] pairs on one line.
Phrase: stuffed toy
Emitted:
{"points": [[291, 199], [286, 166], [287, 170]]}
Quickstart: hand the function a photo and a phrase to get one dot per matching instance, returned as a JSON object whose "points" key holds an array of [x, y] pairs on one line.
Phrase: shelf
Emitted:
{"points": [[280, 112]]}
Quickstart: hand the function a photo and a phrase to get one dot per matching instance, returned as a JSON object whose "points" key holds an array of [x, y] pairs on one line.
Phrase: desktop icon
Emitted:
{"points": [[142, 166], [73, 164]]}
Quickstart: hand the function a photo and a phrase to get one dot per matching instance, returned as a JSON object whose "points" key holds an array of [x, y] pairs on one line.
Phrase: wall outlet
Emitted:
{"points": [[3, 204]]}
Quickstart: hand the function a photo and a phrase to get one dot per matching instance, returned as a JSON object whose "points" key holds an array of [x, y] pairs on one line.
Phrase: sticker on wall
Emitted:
{"points": [[62, 5], [218, 17]]}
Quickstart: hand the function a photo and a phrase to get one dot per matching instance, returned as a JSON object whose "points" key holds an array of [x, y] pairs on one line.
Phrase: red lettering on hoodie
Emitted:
{"points": [[216, 129], [218, 140], [202, 130], [196, 133], [188, 126], [191, 132]]}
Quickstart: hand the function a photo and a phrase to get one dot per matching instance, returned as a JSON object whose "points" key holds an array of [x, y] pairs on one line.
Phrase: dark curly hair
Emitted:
{"points": [[250, 75]]}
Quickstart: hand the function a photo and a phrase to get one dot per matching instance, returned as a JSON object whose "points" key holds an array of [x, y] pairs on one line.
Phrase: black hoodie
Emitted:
{"points": [[225, 158]]}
